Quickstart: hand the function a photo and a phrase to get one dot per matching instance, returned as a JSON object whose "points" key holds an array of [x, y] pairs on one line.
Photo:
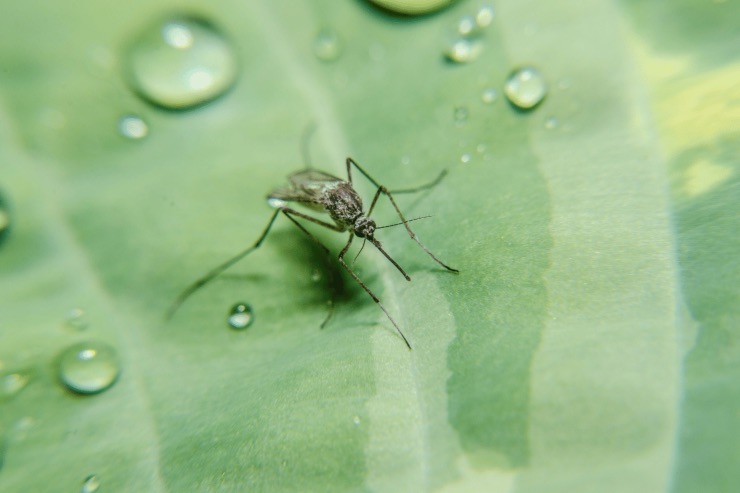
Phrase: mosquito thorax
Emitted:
{"points": [[364, 227]]}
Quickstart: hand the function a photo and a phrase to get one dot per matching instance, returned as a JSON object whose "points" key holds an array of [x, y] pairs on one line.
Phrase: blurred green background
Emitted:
{"points": [[590, 342]]}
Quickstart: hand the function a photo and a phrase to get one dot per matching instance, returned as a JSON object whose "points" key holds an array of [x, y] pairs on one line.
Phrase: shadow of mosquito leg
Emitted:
{"points": [[213, 273], [289, 213], [367, 290]]}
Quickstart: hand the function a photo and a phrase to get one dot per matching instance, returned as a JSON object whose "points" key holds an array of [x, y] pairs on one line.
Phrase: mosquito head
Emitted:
{"points": [[364, 227]]}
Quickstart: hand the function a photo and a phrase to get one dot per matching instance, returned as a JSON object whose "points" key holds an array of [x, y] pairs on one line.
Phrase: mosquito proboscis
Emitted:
{"points": [[337, 197]]}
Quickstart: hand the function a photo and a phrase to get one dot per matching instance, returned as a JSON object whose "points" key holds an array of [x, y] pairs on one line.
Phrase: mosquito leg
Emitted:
{"points": [[381, 189], [411, 233], [210, 275], [367, 290], [351, 162], [289, 213]]}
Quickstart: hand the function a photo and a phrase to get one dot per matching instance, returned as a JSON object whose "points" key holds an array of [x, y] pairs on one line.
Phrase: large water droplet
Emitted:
{"points": [[464, 50], [241, 316], [181, 63], [412, 7], [327, 46], [4, 218], [90, 484], [133, 127], [89, 367], [525, 88]]}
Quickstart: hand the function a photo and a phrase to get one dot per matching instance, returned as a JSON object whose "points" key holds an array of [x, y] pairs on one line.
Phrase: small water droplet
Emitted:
{"points": [[489, 95], [4, 219], [464, 50], [356, 420], [76, 320], [465, 158], [525, 88], [181, 63], [484, 16], [480, 148], [89, 367], [551, 123], [133, 127], [405, 160], [13, 382], [327, 46], [461, 114], [240, 316], [90, 484], [412, 7], [316, 275], [466, 25]]}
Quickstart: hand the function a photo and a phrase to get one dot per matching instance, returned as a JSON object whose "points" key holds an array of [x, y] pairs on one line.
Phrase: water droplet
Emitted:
{"points": [[412, 7], [551, 123], [489, 95], [181, 63], [525, 88], [480, 148], [133, 127], [405, 160], [90, 484], [13, 382], [356, 420], [464, 50], [460, 114], [76, 320], [4, 219], [327, 46], [241, 316], [466, 25], [465, 158], [89, 367], [484, 16], [316, 275]]}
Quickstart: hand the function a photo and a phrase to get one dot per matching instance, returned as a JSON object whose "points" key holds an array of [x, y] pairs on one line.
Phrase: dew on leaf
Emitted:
{"points": [[327, 47], [180, 63], [11, 383], [241, 316], [76, 320], [525, 88], [133, 127], [551, 123], [484, 16], [412, 7], [465, 158], [5, 220], [464, 50], [89, 367], [489, 95], [90, 484], [461, 114]]}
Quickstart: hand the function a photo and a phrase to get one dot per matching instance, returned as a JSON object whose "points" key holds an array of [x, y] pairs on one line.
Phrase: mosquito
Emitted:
{"points": [[327, 193]]}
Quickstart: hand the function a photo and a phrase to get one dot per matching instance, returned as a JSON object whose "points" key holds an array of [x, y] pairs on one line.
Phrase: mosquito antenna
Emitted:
{"points": [[358, 253], [305, 141], [398, 224]]}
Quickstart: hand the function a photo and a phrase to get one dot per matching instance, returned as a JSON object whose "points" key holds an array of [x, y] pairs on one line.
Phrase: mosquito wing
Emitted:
{"points": [[306, 187]]}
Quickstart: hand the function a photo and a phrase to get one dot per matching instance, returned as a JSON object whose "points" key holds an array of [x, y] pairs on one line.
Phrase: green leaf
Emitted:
{"points": [[589, 342]]}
